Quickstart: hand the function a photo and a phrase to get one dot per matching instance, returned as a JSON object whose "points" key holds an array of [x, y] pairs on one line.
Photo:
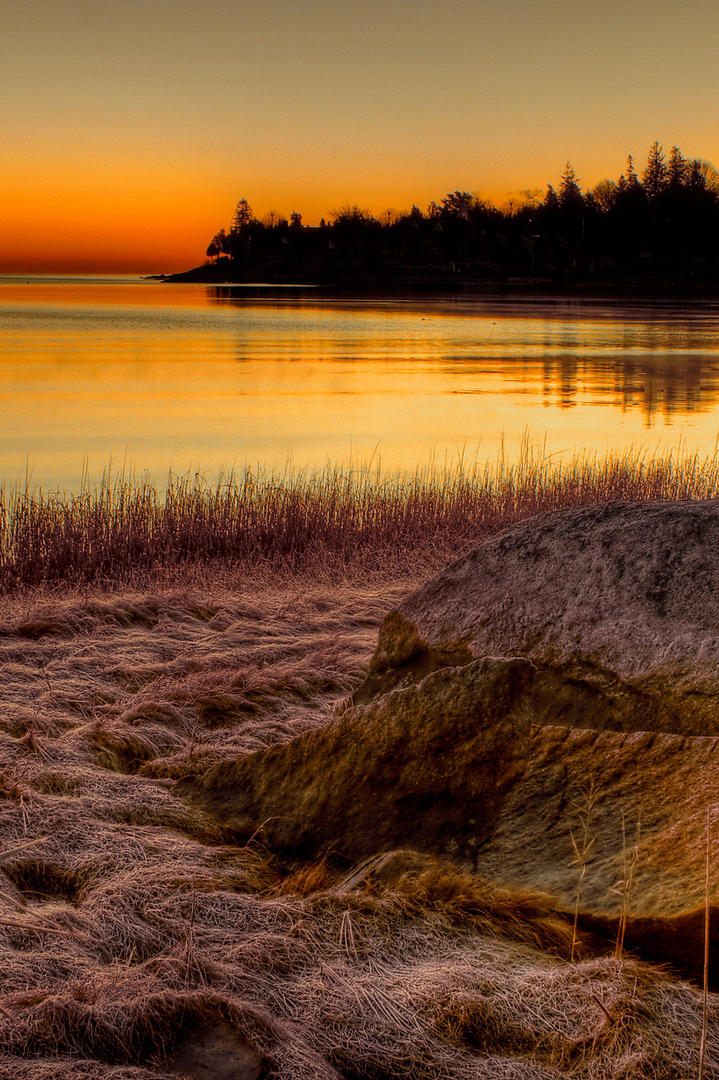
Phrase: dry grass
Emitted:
{"points": [[326, 521], [130, 923]]}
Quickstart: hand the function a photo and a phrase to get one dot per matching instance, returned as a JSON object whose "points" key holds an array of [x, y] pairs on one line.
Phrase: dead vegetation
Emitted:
{"points": [[327, 521], [137, 934]]}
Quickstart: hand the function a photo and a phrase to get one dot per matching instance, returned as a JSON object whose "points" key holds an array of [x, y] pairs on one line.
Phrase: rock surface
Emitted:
{"points": [[429, 764], [618, 605], [217, 1053], [645, 797]]}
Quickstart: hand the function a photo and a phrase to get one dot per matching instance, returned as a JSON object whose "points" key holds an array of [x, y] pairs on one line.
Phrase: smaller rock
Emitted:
{"points": [[217, 1053], [425, 767]]}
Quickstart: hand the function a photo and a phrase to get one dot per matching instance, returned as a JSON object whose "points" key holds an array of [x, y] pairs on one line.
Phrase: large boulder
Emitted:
{"points": [[617, 606], [546, 713]]}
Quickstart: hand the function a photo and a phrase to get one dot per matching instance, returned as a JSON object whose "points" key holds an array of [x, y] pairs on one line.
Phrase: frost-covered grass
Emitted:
{"points": [[132, 925], [146, 636]]}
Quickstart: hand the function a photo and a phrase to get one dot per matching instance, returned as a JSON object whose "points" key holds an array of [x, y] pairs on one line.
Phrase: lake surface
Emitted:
{"points": [[194, 377]]}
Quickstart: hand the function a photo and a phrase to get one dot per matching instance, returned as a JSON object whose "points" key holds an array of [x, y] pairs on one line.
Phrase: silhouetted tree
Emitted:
{"points": [[570, 194], [605, 194], [354, 216], [678, 169], [242, 216], [664, 226], [709, 174], [217, 245], [551, 201], [656, 175], [240, 238], [457, 204], [531, 196], [630, 176]]}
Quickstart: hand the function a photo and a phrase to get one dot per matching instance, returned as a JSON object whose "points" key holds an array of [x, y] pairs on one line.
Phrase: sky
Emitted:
{"points": [[130, 128]]}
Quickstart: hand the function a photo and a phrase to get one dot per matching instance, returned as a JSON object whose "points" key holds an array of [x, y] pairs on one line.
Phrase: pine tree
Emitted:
{"points": [[242, 216], [569, 191], [678, 169], [656, 175], [630, 174], [551, 202]]}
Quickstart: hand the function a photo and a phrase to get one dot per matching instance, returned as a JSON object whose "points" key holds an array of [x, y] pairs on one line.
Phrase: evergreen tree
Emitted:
{"points": [[457, 204], [569, 191], [656, 175], [697, 177], [677, 170], [242, 216], [240, 239], [551, 201], [629, 179]]}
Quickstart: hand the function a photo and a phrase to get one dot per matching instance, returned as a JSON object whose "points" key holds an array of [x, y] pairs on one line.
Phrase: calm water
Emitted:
{"points": [[195, 377]]}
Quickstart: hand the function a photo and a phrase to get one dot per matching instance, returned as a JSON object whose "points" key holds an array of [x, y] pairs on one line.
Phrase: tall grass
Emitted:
{"points": [[334, 517]]}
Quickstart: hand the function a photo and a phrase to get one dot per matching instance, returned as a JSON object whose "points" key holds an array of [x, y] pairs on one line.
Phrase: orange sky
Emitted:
{"points": [[131, 127]]}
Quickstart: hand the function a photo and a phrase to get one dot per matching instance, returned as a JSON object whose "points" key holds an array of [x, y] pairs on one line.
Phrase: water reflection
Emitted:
{"points": [[668, 385], [665, 385], [198, 377], [661, 359]]}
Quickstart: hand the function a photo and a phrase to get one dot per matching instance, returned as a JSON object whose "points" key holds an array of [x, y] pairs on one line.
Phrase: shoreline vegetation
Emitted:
{"points": [[145, 639], [332, 523], [652, 232]]}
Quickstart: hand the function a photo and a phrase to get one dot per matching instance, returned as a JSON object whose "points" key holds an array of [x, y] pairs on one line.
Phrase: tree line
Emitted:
{"points": [[660, 223]]}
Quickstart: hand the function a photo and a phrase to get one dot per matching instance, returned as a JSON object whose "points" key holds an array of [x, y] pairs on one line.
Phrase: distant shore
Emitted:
{"points": [[223, 274]]}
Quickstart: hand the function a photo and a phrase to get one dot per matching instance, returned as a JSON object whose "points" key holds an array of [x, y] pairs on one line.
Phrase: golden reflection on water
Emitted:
{"points": [[198, 378]]}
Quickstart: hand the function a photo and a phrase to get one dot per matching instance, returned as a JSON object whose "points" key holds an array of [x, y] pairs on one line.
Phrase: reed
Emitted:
{"points": [[335, 517], [582, 845]]}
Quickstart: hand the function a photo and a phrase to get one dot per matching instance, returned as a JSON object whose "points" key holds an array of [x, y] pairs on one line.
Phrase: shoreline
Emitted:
{"points": [[450, 285]]}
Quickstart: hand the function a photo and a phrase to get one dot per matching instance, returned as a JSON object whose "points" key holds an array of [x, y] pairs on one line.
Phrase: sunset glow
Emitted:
{"points": [[130, 129]]}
